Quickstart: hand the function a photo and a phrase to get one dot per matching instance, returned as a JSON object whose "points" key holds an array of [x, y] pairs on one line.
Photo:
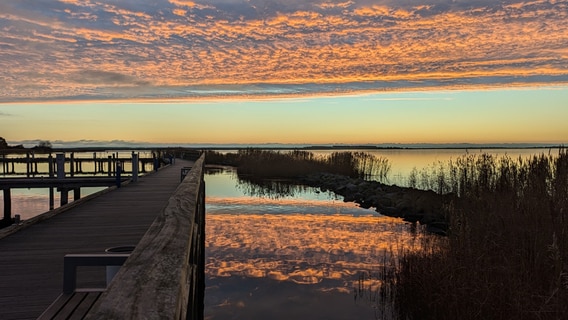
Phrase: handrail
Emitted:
{"points": [[164, 276]]}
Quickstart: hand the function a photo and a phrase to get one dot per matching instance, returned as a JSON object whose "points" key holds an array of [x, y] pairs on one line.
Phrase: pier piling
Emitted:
{"points": [[7, 205]]}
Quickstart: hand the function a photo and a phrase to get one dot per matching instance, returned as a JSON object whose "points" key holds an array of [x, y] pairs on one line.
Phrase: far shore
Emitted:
{"points": [[284, 147]]}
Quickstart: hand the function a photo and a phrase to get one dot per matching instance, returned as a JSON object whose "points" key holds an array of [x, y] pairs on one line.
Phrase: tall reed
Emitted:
{"points": [[268, 164], [507, 253]]}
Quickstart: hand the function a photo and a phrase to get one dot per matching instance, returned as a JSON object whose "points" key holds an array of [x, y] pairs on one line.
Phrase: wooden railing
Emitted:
{"points": [[164, 276]]}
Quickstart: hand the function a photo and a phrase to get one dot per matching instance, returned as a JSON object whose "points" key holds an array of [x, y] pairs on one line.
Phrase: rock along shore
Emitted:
{"points": [[413, 205]]}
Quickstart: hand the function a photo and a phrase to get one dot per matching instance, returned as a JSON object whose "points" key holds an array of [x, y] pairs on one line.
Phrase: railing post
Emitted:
{"points": [[60, 160], [118, 172], [156, 162], [72, 164], [34, 163], [51, 196], [28, 164], [134, 167]]}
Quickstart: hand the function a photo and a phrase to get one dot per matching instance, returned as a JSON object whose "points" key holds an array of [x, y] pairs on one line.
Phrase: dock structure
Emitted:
{"points": [[42, 165], [161, 218]]}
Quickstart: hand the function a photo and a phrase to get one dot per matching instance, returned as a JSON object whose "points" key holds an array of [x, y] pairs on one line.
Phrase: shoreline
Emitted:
{"points": [[283, 147]]}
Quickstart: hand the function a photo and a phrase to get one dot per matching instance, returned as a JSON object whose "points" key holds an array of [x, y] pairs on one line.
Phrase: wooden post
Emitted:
{"points": [[134, 167], [60, 159], [64, 196], [51, 195], [110, 166], [34, 163], [118, 172], [76, 194], [5, 165], [60, 163], [51, 199], [72, 164], [28, 164], [7, 205], [156, 162]]}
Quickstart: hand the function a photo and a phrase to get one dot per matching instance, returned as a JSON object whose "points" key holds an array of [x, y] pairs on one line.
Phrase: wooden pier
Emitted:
{"points": [[57, 177], [162, 278], [43, 165]]}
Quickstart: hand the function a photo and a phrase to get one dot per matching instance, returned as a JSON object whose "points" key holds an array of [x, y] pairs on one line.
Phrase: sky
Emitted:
{"points": [[284, 71]]}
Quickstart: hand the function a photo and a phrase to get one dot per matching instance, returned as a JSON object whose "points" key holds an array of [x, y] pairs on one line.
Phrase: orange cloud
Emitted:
{"points": [[185, 3], [197, 43]]}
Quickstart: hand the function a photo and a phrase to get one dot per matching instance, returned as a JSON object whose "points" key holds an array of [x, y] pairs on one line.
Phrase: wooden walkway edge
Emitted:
{"points": [[31, 260]]}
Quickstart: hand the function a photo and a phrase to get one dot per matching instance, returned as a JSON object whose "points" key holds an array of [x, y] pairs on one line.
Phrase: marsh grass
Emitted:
{"points": [[261, 164], [507, 253]]}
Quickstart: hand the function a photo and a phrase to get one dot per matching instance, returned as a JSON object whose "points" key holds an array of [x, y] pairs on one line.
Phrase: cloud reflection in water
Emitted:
{"points": [[310, 251]]}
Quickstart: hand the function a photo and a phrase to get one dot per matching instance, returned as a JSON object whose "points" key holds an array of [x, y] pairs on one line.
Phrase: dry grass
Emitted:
{"points": [[507, 253], [265, 164]]}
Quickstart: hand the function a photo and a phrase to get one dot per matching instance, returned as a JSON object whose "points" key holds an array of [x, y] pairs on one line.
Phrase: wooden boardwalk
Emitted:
{"points": [[31, 260]]}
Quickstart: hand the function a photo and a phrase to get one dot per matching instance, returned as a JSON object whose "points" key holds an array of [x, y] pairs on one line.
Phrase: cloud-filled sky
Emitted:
{"points": [[124, 49], [284, 71]]}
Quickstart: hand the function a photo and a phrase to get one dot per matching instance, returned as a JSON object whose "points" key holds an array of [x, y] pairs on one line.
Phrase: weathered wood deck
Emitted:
{"points": [[31, 260]]}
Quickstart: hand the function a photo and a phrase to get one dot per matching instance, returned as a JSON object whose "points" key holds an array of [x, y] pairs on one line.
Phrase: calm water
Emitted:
{"points": [[298, 256]]}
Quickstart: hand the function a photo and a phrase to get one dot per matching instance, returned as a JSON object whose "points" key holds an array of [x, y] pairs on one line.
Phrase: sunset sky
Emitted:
{"points": [[284, 71]]}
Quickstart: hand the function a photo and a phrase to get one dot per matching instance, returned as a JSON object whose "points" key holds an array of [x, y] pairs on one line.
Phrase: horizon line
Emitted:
{"points": [[119, 144]]}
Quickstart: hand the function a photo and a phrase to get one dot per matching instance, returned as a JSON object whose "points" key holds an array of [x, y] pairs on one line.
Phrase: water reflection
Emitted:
{"points": [[297, 256], [29, 203], [269, 188]]}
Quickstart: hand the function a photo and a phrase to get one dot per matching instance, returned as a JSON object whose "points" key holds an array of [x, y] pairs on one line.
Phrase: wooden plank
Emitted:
{"points": [[82, 310], [55, 307], [69, 307]]}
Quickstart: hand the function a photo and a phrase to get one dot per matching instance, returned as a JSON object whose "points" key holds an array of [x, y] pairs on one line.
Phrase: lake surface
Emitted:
{"points": [[304, 255]]}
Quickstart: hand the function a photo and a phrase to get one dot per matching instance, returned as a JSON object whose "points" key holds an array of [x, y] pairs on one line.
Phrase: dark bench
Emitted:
{"points": [[75, 303]]}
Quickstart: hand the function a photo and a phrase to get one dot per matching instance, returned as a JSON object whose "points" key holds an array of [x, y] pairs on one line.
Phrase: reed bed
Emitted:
{"points": [[507, 253], [267, 164]]}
